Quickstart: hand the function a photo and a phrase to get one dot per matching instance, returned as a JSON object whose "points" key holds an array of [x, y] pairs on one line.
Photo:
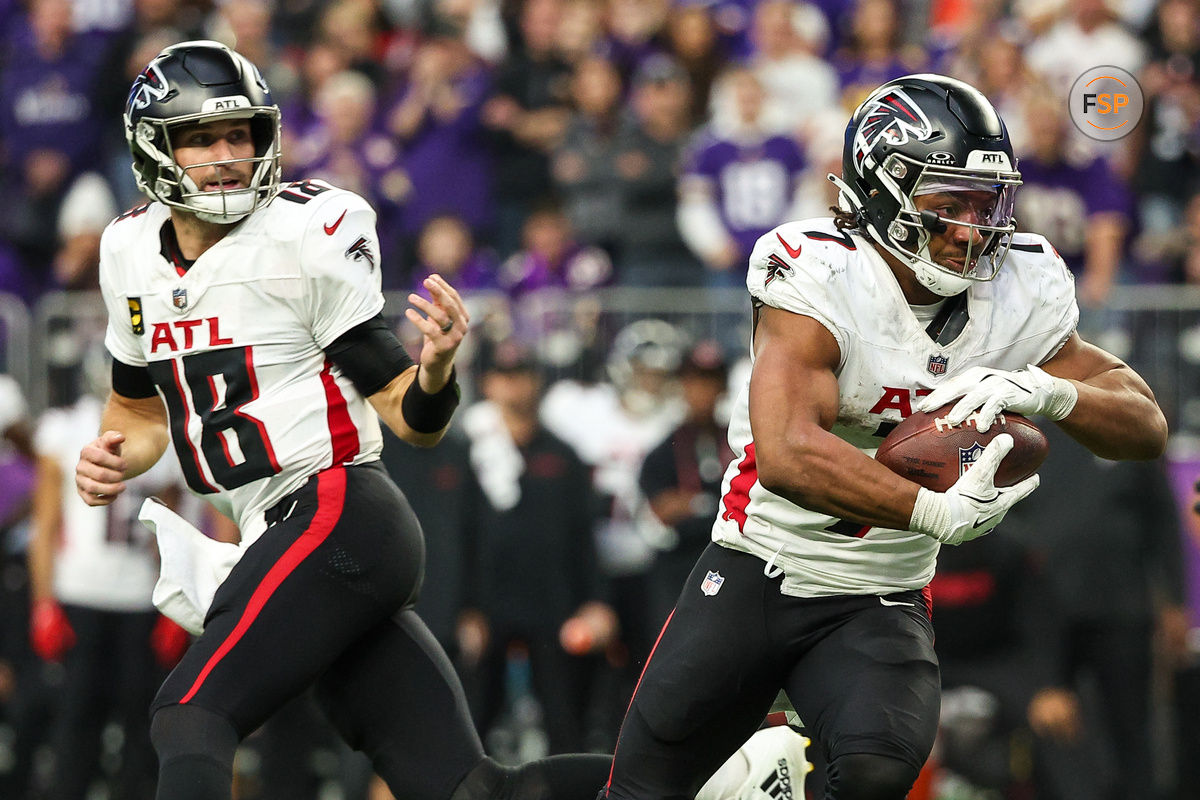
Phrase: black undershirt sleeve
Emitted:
{"points": [[370, 355], [132, 382]]}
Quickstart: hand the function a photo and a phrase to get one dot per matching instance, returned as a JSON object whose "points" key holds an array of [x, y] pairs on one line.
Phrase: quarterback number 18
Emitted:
{"points": [[233, 444]]}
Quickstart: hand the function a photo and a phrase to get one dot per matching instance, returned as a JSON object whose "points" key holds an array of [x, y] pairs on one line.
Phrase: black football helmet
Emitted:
{"points": [[921, 134], [198, 82]]}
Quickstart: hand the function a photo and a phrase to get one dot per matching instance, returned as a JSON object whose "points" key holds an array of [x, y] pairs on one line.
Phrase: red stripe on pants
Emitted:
{"points": [[635, 691], [331, 494]]}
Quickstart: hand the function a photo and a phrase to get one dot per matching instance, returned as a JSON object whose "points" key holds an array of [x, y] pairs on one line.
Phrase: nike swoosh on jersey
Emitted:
{"points": [[794, 252], [885, 602], [329, 229]]}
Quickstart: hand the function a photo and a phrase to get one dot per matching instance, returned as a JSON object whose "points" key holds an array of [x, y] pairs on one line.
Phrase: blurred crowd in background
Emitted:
{"points": [[545, 155], [496, 138]]}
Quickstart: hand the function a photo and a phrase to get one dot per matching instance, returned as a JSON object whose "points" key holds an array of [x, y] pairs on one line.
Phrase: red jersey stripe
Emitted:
{"points": [[738, 496], [342, 433], [331, 494], [258, 423]]}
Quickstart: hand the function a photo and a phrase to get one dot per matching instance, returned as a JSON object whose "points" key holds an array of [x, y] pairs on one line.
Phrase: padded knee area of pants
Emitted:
{"points": [[195, 753], [188, 730], [866, 776]]}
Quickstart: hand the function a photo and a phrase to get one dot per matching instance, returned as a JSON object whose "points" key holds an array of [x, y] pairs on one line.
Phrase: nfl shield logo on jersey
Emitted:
{"points": [[179, 298], [712, 583], [967, 456], [937, 365]]}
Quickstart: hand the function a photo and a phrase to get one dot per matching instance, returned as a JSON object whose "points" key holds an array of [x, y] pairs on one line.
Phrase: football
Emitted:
{"points": [[926, 450]]}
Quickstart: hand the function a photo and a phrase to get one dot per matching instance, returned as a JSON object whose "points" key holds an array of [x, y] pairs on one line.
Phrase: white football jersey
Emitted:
{"points": [[234, 344], [614, 443], [106, 559], [887, 361]]}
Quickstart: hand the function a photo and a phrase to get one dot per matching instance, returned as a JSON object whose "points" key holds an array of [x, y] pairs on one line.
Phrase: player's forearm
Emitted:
{"points": [[388, 402], [143, 422], [1117, 417], [823, 473]]}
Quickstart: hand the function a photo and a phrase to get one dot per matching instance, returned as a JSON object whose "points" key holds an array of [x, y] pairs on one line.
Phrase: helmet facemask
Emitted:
{"points": [[910, 233], [174, 187]]}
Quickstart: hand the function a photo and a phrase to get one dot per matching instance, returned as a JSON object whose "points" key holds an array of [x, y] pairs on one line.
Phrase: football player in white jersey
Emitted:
{"points": [[918, 292], [245, 324]]}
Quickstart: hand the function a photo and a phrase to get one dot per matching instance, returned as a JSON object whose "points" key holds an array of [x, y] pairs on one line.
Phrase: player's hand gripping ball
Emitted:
{"points": [[928, 451]]}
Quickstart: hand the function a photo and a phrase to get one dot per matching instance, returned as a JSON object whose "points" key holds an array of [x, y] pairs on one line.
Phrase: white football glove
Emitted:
{"points": [[974, 504], [990, 391]]}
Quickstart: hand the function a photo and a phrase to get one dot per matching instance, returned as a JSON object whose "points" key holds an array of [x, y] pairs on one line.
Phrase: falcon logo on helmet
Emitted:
{"points": [[149, 87], [893, 118]]}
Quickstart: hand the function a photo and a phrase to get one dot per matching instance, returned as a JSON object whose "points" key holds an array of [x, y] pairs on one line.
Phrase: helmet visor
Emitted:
{"points": [[948, 204]]}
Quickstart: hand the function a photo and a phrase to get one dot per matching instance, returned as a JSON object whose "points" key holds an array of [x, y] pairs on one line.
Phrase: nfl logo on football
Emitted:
{"points": [[967, 456], [937, 365], [179, 298], [712, 583]]}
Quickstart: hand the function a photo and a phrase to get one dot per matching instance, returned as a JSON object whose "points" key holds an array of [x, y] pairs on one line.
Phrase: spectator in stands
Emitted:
{"points": [[874, 52], [535, 578], [585, 161], [88, 207], [580, 30], [50, 126], [346, 149], [634, 32], [1086, 31], [437, 124], [1078, 202], [691, 38], [738, 182], [446, 247], [1115, 569], [526, 116], [681, 476], [1165, 151], [553, 258], [355, 28], [650, 149], [799, 84], [318, 64]]}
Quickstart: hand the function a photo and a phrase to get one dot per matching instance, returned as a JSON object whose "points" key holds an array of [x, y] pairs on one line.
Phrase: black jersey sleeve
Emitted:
{"points": [[370, 355]]}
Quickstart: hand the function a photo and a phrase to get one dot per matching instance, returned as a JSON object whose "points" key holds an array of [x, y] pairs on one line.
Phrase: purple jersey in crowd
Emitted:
{"points": [[753, 183], [448, 163], [50, 103], [582, 267], [477, 274], [1056, 201]]}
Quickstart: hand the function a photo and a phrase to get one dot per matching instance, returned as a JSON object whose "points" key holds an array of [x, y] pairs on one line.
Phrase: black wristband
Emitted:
{"points": [[429, 413]]}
